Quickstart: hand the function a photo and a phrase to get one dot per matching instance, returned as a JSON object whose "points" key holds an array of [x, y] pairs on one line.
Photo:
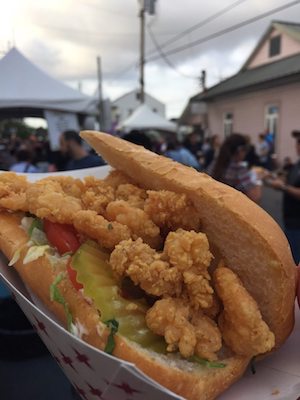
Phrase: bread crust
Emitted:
{"points": [[201, 383], [248, 239]]}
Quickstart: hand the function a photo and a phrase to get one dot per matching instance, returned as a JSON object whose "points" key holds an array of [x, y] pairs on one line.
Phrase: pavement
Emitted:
{"points": [[40, 378]]}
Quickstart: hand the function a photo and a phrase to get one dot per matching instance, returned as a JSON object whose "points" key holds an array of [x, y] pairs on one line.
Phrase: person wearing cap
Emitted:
{"points": [[291, 203]]}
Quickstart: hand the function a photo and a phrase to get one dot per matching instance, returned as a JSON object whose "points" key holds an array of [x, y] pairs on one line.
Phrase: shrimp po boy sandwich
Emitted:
{"points": [[156, 264]]}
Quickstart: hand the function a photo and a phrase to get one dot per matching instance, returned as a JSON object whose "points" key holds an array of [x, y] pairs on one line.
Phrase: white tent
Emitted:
{"points": [[144, 118], [25, 86]]}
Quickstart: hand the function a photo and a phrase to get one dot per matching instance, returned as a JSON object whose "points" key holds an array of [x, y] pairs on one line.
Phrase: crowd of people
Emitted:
{"points": [[235, 161]]}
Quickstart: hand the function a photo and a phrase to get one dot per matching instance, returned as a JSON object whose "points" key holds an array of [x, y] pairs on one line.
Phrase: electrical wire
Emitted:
{"points": [[226, 30], [200, 24], [163, 56]]}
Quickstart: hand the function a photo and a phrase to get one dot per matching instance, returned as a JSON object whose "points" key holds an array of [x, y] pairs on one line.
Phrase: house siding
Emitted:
{"points": [[249, 115], [289, 47]]}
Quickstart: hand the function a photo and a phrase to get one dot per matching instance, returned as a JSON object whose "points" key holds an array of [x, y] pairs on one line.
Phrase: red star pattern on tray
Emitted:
{"points": [[83, 358], [40, 326], [95, 391], [67, 360], [81, 392], [126, 388]]}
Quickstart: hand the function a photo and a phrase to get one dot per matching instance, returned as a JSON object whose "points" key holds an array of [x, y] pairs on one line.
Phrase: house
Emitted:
{"points": [[264, 95], [124, 106]]}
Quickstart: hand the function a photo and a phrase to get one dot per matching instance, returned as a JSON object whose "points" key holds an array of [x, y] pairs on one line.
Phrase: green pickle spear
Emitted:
{"points": [[94, 273]]}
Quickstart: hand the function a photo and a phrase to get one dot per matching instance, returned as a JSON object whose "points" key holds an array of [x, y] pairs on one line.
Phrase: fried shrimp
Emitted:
{"points": [[145, 268], [117, 178], [171, 211], [108, 234], [173, 319], [97, 195], [189, 252], [132, 194], [54, 199], [13, 191], [137, 221], [241, 323]]}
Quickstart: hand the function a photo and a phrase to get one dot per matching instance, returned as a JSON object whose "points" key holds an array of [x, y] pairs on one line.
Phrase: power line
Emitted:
{"points": [[226, 30], [199, 24], [163, 56]]}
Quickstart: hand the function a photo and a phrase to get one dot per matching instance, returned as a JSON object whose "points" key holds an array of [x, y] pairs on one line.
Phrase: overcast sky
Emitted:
{"points": [[64, 37]]}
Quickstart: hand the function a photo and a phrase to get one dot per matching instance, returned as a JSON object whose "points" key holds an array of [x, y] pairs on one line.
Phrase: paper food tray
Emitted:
{"points": [[97, 375]]}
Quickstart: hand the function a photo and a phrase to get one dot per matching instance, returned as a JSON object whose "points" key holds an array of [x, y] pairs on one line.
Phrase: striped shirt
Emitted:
{"points": [[238, 176]]}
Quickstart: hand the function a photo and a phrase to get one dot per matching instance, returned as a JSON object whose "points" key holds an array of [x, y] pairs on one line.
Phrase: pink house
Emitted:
{"points": [[263, 95]]}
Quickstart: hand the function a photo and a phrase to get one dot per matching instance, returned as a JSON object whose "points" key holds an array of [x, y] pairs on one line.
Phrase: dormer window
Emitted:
{"points": [[275, 45]]}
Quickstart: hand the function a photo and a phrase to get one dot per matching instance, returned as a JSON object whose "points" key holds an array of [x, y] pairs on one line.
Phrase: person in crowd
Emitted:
{"points": [[251, 156], [179, 153], [193, 143], [140, 138], [210, 149], [24, 162], [291, 203], [230, 167], [71, 145], [262, 150]]}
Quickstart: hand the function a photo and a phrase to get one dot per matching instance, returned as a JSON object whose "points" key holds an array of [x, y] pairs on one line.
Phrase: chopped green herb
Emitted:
{"points": [[110, 227], [206, 363], [36, 223], [55, 295], [114, 326], [252, 366]]}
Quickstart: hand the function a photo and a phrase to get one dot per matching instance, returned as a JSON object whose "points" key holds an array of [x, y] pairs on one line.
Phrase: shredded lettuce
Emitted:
{"points": [[110, 344], [55, 295], [15, 257], [26, 223], [35, 252], [206, 363], [36, 224], [38, 237]]}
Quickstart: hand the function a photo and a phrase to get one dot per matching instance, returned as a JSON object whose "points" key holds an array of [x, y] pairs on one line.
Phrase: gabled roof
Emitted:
{"points": [[24, 85], [266, 75], [291, 29]]}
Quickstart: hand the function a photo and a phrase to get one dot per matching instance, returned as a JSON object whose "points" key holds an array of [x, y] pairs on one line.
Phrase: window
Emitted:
{"points": [[275, 44], [228, 124]]}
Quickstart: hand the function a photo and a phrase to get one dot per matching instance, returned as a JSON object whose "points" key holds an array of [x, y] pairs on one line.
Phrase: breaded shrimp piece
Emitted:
{"points": [[97, 195], [169, 318], [241, 323], [133, 195], [13, 191], [116, 178], [137, 221], [53, 200], [108, 234], [192, 333], [209, 338], [171, 211], [70, 186], [143, 265], [188, 251]]}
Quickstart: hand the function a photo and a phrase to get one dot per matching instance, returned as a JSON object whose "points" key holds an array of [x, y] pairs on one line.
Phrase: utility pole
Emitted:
{"points": [[142, 51], [100, 98]]}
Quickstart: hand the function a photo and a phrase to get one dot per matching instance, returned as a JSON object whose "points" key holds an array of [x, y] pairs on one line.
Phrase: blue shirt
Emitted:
{"points": [[88, 161], [183, 156]]}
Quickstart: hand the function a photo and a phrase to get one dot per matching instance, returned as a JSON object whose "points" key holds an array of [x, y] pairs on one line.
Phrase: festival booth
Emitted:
{"points": [[144, 118], [27, 91]]}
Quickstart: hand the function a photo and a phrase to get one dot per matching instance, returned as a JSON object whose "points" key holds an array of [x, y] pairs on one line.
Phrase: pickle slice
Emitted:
{"points": [[95, 274]]}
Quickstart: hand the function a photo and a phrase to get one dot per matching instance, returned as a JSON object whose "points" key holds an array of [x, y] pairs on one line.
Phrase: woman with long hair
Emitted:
{"points": [[230, 168]]}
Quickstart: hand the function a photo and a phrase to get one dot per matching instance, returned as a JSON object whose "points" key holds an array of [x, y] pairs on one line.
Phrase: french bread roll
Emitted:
{"points": [[239, 232]]}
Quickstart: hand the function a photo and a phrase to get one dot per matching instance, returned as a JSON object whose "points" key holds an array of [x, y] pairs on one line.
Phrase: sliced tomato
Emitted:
{"points": [[62, 236], [73, 276]]}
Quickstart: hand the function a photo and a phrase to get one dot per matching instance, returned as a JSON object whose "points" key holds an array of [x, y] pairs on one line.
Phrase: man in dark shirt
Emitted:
{"points": [[71, 145], [291, 204]]}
